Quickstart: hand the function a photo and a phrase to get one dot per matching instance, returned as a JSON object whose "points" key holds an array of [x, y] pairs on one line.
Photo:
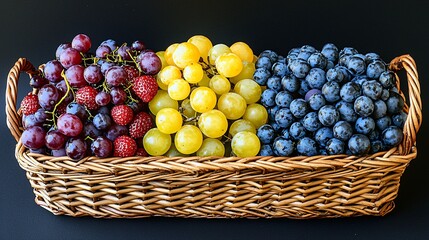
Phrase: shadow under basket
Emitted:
{"points": [[220, 187]]}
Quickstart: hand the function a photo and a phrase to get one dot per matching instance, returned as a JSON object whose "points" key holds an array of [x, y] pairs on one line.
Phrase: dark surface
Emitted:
{"points": [[34, 30]]}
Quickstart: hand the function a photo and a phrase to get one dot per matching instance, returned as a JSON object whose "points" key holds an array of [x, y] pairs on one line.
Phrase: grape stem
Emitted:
{"points": [[62, 99]]}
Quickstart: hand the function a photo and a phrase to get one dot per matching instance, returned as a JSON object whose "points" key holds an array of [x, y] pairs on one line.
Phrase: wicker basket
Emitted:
{"points": [[212, 187]]}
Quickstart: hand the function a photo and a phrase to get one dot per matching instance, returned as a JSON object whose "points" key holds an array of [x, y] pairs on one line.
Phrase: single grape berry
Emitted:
{"points": [[283, 147], [102, 147], [392, 136], [359, 144], [307, 147], [266, 134]]}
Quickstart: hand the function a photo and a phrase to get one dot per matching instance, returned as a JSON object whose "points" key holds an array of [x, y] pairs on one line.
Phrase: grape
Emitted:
{"points": [[115, 130], [229, 64], [193, 73], [185, 54], [119, 96], [75, 76], [48, 97], [187, 109], [243, 51], [392, 136], [75, 108], [204, 82], [359, 144], [102, 147], [283, 146], [350, 92], [40, 115], [241, 125], [219, 84], [70, 125], [138, 45], [261, 76], [54, 140], [156, 143], [216, 51], [211, 147], [92, 74], [364, 106], [70, 57], [317, 60], [203, 44], [30, 121], [249, 90], [102, 121], [246, 73], [323, 135], [116, 76], [387, 79], [173, 152], [37, 81], [328, 115], [169, 73], [213, 123], [82, 43], [342, 130], [311, 122], [283, 99], [274, 83], [110, 43], [123, 52], [375, 69], [256, 114], [168, 120], [245, 144], [33, 137], [179, 89], [290, 83], [284, 117], [372, 89], [299, 68], [91, 131], [316, 78], [264, 62], [335, 146], [52, 71], [162, 100], [103, 98], [232, 105], [203, 99], [266, 134], [299, 107], [59, 153], [169, 54], [307, 147], [266, 150], [188, 139], [268, 98], [76, 148], [149, 63], [102, 51], [395, 103], [61, 48]]}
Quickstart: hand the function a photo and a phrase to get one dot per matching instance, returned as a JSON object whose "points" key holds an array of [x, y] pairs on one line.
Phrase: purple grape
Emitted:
{"points": [[102, 121], [119, 96], [30, 121], [75, 76], [48, 96], [311, 93], [37, 81], [150, 63], [82, 43], [76, 148], [61, 48], [102, 51], [116, 76], [54, 140], [53, 70], [70, 57], [102, 147], [110, 43], [40, 115], [92, 74], [91, 131], [59, 153], [138, 45], [103, 98], [69, 125], [75, 108], [33, 137], [62, 87], [105, 66], [115, 131], [123, 52]]}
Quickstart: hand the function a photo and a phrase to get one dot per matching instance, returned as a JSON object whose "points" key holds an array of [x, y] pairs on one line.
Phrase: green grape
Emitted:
{"points": [[256, 114], [216, 51], [204, 82], [232, 105], [241, 125], [193, 73], [213, 123], [168, 55], [243, 51], [188, 139], [203, 99], [161, 56], [179, 89], [162, 100], [203, 44], [169, 73], [187, 109], [161, 84], [172, 152], [211, 147], [168, 120], [245, 144], [246, 73], [156, 143], [229, 65], [249, 90], [185, 54], [219, 84]]}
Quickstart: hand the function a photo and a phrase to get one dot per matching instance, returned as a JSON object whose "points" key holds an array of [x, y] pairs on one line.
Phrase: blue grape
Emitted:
{"points": [[364, 125], [290, 83], [263, 62], [392, 136], [399, 119], [299, 107], [283, 147], [371, 57], [387, 79], [346, 111], [395, 103], [383, 123], [374, 135], [372, 89], [342, 130], [272, 112], [380, 109], [283, 99], [376, 146], [316, 78], [274, 83], [272, 55], [364, 106], [297, 131], [350, 91], [323, 135], [311, 122], [337, 74], [279, 69], [359, 144], [360, 80], [331, 91], [261, 76], [316, 101], [284, 117], [299, 68], [307, 146], [304, 88], [266, 134], [356, 65], [268, 97], [266, 150], [317, 60], [375, 69], [335, 146], [330, 51], [349, 51], [328, 115]]}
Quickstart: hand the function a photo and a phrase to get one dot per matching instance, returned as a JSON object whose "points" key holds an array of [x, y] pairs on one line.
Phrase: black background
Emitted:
{"points": [[34, 29]]}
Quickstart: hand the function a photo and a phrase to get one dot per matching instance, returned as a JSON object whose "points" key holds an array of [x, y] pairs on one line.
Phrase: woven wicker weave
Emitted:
{"points": [[293, 187]]}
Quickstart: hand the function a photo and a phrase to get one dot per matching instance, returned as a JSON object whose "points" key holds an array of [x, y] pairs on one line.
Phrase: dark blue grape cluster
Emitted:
{"points": [[328, 102]]}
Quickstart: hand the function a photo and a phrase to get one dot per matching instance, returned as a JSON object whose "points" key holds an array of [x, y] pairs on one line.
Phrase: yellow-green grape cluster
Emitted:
{"points": [[207, 99]]}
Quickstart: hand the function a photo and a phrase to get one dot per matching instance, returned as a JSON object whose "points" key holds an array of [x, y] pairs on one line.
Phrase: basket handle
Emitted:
{"points": [[13, 119], [414, 118]]}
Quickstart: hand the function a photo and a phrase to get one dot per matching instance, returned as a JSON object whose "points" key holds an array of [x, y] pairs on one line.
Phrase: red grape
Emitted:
{"points": [[48, 96], [54, 140], [119, 96], [59, 153], [92, 74], [75, 108], [70, 57], [110, 43], [115, 131], [102, 147], [102, 51], [103, 98], [116, 76], [33, 137], [75, 76], [61, 48], [150, 63], [76, 148], [69, 125], [123, 52], [82, 43], [53, 70], [37, 81], [138, 45]]}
